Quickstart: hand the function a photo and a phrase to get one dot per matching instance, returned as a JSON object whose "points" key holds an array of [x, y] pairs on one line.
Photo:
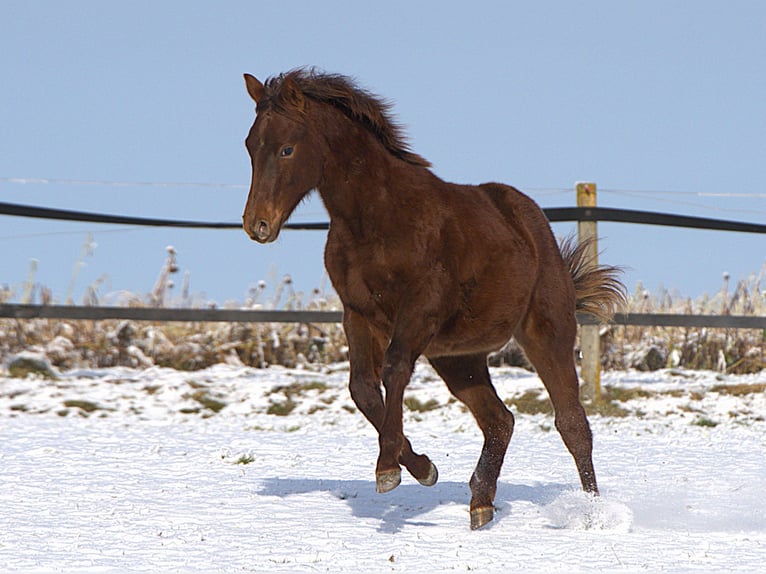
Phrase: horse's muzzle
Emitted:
{"points": [[261, 232]]}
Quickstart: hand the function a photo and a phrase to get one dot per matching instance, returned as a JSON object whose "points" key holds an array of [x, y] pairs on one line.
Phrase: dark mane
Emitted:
{"points": [[355, 102]]}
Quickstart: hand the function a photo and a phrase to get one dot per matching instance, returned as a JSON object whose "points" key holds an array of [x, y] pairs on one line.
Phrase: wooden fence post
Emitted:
{"points": [[590, 344]]}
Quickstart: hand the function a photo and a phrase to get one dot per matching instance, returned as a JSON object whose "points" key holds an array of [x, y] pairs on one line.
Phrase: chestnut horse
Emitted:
{"points": [[424, 268]]}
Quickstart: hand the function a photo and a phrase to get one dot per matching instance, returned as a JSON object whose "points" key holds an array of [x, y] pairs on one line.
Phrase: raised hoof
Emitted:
{"points": [[481, 516], [388, 480], [433, 476]]}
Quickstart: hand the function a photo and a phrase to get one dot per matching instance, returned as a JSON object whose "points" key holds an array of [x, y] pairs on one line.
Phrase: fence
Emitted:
{"points": [[162, 314], [586, 211], [554, 214], [586, 214]]}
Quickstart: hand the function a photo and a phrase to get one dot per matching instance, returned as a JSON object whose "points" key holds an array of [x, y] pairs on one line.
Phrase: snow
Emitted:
{"points": [[119, 470]]}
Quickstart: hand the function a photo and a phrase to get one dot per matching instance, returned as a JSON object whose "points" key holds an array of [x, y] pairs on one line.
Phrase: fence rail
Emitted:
{"points": [[587, 213], [554, 214], [161, 314], [18, 311]]}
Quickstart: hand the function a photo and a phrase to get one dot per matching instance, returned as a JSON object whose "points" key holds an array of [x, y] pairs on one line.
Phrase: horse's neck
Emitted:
{"points": [[357, 175], [369, 193], [363, 183]]}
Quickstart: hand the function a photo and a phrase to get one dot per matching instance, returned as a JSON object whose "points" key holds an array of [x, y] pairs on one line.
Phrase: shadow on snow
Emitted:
{"points": [[405, 505]]}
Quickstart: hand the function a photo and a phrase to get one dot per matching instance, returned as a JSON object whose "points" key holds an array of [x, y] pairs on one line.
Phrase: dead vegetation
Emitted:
{"points": [[190, 346]]}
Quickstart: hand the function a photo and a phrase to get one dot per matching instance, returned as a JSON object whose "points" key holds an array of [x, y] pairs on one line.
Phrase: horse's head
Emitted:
{"points": [[284, 155]]}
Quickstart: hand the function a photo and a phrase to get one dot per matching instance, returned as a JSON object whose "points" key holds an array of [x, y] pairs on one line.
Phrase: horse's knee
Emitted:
{"points": [[362, 393], [397, 369]]}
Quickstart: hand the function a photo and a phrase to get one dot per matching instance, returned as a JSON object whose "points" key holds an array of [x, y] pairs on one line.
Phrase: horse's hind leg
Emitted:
{"points": [[468, 379], [548, 337], [366, 355]]}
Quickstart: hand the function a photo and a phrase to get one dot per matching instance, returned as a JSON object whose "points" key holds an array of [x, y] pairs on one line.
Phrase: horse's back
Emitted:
{"points": [[521, 212], [524, 214]]}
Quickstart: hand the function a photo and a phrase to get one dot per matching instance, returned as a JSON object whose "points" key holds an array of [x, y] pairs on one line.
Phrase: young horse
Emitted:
{"points": [[423, 267]]}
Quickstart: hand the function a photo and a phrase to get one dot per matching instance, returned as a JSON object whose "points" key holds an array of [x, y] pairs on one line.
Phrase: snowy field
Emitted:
{"points": [[235, 469]]}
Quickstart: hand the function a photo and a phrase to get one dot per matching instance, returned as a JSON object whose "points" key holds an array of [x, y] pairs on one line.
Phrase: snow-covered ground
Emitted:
{"points": [[237, 469]]}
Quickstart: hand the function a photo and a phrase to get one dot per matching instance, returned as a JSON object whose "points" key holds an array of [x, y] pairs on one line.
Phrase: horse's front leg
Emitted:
{"points": [[406, 346], [366, 357]]}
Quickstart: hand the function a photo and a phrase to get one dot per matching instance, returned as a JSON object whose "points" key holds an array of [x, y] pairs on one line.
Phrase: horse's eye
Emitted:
{"points": [[286, 151]]}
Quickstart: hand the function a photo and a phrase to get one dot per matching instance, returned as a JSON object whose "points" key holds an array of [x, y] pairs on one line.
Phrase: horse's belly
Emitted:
{"points": [[466, 334], [440, 347]]}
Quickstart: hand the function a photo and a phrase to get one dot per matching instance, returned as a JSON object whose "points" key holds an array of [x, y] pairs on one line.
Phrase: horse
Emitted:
{"points": [[424, 267]]}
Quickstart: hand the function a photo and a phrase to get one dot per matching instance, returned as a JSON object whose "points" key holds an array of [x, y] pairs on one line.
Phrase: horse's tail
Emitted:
{"points": [[598, 289]]}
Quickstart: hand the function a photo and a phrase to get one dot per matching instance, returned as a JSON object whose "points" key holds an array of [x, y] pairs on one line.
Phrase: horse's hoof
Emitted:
{"points": [[481, 516], [388, 480], [433, 476]]}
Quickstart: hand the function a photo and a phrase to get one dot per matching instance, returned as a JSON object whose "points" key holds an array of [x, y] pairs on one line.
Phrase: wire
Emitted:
{"points": [[653, 195], [108, 183], [542, 190], [694, 193]]}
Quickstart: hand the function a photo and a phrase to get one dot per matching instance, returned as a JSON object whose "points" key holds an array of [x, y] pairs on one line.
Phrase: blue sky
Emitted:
{"points": [[661, 103]]}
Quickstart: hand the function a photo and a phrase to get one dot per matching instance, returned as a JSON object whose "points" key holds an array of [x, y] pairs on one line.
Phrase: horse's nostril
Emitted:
{"points": [[262, 230]]}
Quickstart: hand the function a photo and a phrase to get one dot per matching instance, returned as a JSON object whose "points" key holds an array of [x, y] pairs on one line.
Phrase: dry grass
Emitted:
{"points": [[191, 346], [531, 402], [182, 346], [736, 351]]}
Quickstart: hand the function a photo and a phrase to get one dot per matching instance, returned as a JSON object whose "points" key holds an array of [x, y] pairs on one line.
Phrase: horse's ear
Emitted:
{"points": [[254, 87], [291, 93]]}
